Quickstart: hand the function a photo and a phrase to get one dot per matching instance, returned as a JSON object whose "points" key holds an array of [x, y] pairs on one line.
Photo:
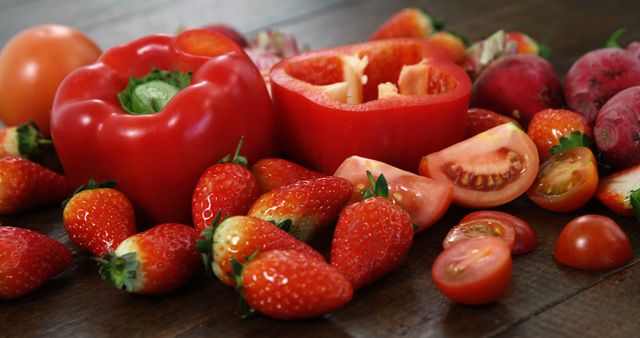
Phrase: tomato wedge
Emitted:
{"points": [[566, 181], [424, 199], [593, 242], [479, 227], [486, 170], [474, 271], [526, 239]]}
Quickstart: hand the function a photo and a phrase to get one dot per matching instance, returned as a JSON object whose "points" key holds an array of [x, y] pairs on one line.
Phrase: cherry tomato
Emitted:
{"points": [[32, 65], [593, 242], [474, 271], [526, 239], [481, 227], [566, 181], [424, 199], [487, 170]]}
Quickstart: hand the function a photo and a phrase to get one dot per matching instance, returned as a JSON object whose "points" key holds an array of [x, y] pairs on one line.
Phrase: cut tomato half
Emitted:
{"points": [[424, 199], [479, 227], [486, 170], [526, 239], [566, 181]]}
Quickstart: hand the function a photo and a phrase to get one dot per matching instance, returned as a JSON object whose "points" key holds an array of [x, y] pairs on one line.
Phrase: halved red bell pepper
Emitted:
{"points": [[390, 100], [153, 114]]}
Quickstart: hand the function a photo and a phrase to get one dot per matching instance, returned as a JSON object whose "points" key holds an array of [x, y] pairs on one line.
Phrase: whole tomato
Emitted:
{"points": [[32, 65]]}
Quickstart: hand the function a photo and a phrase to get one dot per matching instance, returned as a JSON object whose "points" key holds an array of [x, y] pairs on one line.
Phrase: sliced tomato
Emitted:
{"points": [[474, 271], [526, 239], [566, 181], [481, 227], [593, 242], [425, 200], [486, 170]]}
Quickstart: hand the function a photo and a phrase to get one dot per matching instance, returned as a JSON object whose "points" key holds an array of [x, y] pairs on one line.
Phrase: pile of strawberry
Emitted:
{"points": [[253, 224]]}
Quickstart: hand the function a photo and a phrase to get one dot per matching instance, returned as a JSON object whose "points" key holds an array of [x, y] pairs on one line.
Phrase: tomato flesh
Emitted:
{"points": [[566, 181], [526, 239], [487, 170], [474, 271], [593, 242], [481, 227], [425, 200]]}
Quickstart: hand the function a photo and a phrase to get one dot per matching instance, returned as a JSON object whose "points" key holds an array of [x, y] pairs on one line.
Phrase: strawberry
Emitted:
{"points": [[479, 120], [620, 192], [227, 187], [289, 284], [98, 218], [372, 236], [408, 23], [27, 260], [549, 126], [26, 141], [237, 238], [310, 205], [155, 261], [271, 173], [453, 45], [26, 185]]}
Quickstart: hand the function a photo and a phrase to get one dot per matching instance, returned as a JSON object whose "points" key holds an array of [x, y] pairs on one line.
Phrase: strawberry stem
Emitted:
{"points": [[612, 42], [237, 158], [92, 184]]}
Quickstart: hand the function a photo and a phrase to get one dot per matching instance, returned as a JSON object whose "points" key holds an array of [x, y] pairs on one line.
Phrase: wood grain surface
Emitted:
{"points": [[545, 298]]}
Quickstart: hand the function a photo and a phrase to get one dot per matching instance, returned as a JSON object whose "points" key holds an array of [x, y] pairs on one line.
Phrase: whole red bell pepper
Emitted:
{"points": [[153, 114], [391, 100]]}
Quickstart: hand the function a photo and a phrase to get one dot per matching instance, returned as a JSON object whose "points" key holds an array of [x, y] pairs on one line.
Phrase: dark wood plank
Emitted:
{"points": [[608, 309]]}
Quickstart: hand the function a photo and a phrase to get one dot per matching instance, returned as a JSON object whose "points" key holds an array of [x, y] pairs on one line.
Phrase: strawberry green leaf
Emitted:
{"points": [[92, 184], [205, 243], [119, 271], [634, 198], [544, 50], [379, 187], [575, 139]]}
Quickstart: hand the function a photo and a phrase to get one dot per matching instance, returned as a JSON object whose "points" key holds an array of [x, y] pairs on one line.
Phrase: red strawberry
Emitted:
{"points": [[480, 120], [155, 261], [27, 260], [372, 237], [311, 205], [238, 237], [620, 192], [453, 45], [273, 173], [227, 187], [98, 218], [407, 23], [289, 284], [549, 126], [26, 185]]}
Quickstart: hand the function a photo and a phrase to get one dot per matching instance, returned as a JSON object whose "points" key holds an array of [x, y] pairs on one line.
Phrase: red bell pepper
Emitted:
{"points": [[153, 114], [390, 100]]}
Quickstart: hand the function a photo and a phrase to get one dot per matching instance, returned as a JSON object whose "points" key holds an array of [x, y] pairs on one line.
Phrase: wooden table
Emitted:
{"points": [[544, 300]]}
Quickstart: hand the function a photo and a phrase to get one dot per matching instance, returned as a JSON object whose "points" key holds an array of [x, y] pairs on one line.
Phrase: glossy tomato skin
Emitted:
{"points": [[424, 199], [486, 170], [474, 271], [320, 132], [566, 181], [593, 242], [526, 239], [479, 227], [32, 65], [158, 158]]}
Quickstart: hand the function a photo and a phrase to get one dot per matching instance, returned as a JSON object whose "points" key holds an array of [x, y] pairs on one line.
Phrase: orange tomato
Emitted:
{"points": [[32, 65]]}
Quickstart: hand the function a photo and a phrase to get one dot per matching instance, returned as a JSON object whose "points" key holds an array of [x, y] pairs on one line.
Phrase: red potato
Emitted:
{"points": [[617, 131], [518, 86], [599, 75]]}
